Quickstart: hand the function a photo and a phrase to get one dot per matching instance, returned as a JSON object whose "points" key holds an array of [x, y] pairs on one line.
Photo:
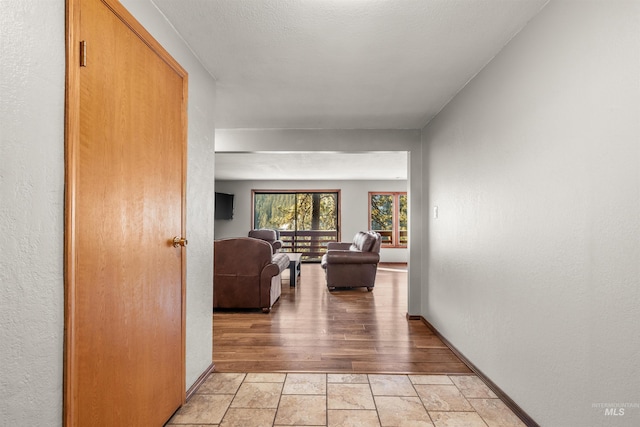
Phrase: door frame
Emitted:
{"points": [[72, 145]]}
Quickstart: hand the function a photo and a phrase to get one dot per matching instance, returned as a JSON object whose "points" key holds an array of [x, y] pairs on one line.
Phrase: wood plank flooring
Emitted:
{"points": [[345, 331]]}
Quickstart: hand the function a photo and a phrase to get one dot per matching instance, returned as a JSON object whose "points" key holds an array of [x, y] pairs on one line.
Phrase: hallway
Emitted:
{"points": [[345, 358]]}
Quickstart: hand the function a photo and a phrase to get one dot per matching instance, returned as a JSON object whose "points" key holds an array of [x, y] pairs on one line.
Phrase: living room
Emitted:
{"points": [[351, 194]]}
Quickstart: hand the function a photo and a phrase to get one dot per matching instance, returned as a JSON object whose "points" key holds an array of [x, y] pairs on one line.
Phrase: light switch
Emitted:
{"points": [[435, 212]]}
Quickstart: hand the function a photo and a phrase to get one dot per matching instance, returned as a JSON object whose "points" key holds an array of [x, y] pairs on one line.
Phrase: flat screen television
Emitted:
{"points": [[223, 208]]}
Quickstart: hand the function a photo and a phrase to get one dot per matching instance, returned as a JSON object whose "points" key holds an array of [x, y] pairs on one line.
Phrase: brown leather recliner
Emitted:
{"points": [[352, 265], [268, 235], [246, 274]]}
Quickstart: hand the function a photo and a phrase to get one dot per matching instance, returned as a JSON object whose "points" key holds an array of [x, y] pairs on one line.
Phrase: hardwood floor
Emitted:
{"points": [[345, 331]]}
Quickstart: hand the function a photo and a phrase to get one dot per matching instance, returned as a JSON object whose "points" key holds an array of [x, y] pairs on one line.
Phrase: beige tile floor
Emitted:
{"points": [[279, 399]]}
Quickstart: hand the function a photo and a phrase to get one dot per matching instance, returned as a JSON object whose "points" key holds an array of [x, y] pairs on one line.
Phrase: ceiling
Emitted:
{"points": [[341, 64]]}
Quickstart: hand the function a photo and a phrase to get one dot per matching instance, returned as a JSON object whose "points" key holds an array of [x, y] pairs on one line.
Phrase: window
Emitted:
{"points": [[307, 220], [388, 216]]}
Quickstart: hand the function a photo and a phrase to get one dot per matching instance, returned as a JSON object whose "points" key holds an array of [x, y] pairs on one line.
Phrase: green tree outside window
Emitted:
{"points": [[388, 216]]}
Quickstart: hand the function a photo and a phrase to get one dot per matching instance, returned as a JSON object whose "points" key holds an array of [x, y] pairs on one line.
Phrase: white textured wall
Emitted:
{"points": [[250, 140], [534, 261], [354, 206], [200, 187], [31, 211]]}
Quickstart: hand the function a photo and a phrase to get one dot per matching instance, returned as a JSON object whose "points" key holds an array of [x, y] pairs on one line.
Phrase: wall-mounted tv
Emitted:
{"points": [[223, 208]]}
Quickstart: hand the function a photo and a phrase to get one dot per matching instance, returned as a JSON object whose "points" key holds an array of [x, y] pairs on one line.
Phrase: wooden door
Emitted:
{"points": [[126, 139]]}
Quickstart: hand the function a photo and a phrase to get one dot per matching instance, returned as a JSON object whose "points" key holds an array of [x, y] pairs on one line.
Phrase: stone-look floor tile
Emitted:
{"points": [[391, 385], [352, 418], [242, 417], [256, 377], [348, 378], [442, 398], [495, 413], [457, 419], [257, 395], [169, 424], [221, 383], [302, 410], [430, 379], [277, 399], [265, 378], [399, 411], [305, 384], [472, 387], [191, 425], [349, 396], [203, 409]]}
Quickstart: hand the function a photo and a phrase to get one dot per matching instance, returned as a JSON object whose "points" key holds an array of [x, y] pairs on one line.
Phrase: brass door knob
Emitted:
{"points": [[179, 241]]}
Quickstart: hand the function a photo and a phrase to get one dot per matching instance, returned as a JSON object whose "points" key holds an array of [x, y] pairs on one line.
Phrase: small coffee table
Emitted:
{"points": [[294, 267]]}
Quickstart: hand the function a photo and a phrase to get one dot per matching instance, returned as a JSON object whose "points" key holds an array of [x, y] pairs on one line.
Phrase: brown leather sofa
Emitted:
{"points": [[246, 274], [352, 265]]}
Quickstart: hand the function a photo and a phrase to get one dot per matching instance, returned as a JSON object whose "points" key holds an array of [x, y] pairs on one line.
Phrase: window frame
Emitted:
{"points": [[337, 192], [395, 228]]}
